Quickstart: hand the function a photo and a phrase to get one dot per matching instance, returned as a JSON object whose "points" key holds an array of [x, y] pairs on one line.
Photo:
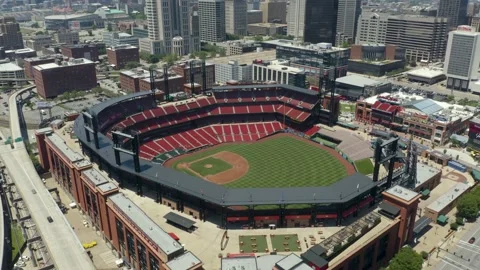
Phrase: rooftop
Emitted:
{"points": [[429, 73], [9, 67], [356, 80], [268, 24], [239, 263], [319, 47], [67, 17], [448, 197], [245, 58], [402, 193], [424, 173], [184, 262], [292, 262], [384, 224], [59, 143], [107, 187], [71, 62], [122, 47], [156, 234], [95, 176]]}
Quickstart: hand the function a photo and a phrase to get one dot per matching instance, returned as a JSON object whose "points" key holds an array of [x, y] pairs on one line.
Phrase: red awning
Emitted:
{"points": [[266, 218], [233, 219], [298, 217], [349, 211], [174, 236], [324, 216], [365, 202]]}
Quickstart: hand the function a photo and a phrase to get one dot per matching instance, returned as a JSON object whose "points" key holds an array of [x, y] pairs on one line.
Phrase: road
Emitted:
{"points": [[63, 245], [470, 253]]}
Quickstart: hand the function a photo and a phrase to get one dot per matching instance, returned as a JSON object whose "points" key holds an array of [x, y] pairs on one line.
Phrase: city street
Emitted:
{"points": [[462, 255]]}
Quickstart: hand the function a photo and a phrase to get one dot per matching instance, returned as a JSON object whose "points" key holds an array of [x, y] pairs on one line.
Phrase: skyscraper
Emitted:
{"points": [[10, 35], [274, 11], [236, 17], [462, 59], [313, 21], [423, 38], [348, 13], [168, 19], [212, 20], [455, 11], [371, 28]]}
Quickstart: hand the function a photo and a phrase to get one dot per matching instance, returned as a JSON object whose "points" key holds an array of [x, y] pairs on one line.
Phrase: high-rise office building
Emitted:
{"points": [[274, 11], [313, 21], [168, 19], [348, 13], [455, 11], [236, 17], [212, 20], [371, 28], [423, 38], [10, 35], [462, 59]]}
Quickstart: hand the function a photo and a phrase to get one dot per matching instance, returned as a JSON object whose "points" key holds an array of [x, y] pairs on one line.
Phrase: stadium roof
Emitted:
{"points": [[260, 86], [426, 106], [342, 191], [110, 102]]}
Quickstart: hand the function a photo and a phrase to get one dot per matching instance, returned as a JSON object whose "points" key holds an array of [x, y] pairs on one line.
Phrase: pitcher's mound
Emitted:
{"points": [[208, 166]]}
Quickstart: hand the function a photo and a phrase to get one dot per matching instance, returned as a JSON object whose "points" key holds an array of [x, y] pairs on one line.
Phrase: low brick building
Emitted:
{"points": [[119, 56], [30, 63], [54, 79], [87, 51], [137, 80]]}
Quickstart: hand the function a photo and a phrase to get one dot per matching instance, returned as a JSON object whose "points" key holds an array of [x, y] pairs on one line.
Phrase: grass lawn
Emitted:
{"points": [[281, 162], [17, 240], [249, 242], [364, 166], [279, 241], [217, 166], [347, 107]]}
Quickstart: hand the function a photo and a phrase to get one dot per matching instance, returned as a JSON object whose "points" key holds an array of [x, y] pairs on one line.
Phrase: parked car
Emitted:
{"points": [[472, 240]]}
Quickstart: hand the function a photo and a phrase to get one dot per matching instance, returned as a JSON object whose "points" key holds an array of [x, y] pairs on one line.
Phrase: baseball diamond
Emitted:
{"points": [[282, 160]]}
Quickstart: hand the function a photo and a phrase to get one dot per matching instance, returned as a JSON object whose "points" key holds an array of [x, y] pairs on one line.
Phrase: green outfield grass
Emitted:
{"points": [[347, 107], [280, 162], [217, 166], [364, 166]]}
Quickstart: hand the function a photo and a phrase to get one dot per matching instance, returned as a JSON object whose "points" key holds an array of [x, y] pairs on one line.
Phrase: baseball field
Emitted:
{"points": [[283, 160]]}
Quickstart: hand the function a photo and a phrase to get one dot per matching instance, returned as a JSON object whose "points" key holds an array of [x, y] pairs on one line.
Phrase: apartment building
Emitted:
{"points": [[236, 17], [371, 28], [212, 20]]}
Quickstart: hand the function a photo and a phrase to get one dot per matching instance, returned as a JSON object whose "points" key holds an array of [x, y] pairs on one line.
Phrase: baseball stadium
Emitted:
{"points": [[243, 153]]}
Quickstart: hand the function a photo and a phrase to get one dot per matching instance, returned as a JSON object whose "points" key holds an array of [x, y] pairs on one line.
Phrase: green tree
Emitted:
{"points": [[424, 255], [406, 259], [233, 37], [35, 25], [191, 56], [413, 63], [454, 226], [94, 27], [467, 206], [171, 58], [109, 27], [345, 45], [450, 98], [202, 55], [258, 38], [223, 52], [90, 32], [132, 64]]}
